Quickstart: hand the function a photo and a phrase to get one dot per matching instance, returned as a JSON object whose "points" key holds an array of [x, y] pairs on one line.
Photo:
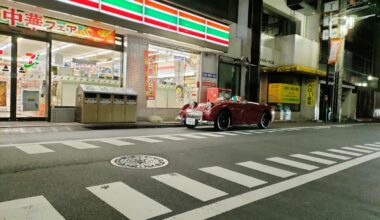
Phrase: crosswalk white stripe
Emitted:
{"points": [[256, 132], [145, 139], [129, 202], [37, 207], [117, 142], [313, 159], [267, 169], [345, 152], [240, 132], [227, 133], [292, 163], [189, 186], [211, 134], [340, 157], [368, 148], [233, 176], [80, 145], [171, 137], [357, 150], [192, 136], [373, 145], [34, 149]]}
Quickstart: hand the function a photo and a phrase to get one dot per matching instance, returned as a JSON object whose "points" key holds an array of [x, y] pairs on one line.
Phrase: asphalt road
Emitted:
{"points": [[305, 172]]}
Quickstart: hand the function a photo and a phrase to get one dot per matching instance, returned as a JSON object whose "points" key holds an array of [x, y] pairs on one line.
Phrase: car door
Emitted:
{"points": [[251, 113]]}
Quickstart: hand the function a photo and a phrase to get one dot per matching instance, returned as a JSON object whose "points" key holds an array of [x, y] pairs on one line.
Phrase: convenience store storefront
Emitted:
{"points": [[43, 58]]}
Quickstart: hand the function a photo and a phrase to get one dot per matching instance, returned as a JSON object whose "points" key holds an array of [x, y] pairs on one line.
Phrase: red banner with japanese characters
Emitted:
{"points": [[150, 75], [19, 18]]}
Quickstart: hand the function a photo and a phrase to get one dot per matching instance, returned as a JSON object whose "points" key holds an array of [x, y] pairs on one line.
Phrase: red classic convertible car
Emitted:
{"points": [[224, 113]]}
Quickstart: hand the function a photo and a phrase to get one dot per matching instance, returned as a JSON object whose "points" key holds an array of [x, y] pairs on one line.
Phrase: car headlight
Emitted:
{"points": [[208, 105]]}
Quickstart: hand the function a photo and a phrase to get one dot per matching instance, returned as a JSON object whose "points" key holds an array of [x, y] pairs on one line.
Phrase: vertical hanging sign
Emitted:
{"points": [[310, 92], [150, 75]]}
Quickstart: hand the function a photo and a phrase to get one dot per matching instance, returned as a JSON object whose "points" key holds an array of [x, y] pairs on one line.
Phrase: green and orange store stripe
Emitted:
{"points": [[162, 16]]}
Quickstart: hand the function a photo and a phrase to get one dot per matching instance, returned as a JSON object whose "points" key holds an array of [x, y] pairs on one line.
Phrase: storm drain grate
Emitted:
{"points": [[139, 162]]}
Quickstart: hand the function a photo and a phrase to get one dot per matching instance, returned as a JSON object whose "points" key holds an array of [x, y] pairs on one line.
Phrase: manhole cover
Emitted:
{"points": [[139, 162]]}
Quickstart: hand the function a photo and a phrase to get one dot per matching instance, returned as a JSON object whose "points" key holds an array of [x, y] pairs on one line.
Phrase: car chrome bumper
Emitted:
{"points": [[199, 121]]}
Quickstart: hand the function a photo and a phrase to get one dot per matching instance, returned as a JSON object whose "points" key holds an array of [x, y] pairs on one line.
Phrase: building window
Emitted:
{"points": [[74, 64], [170, 77], [229, 77]]}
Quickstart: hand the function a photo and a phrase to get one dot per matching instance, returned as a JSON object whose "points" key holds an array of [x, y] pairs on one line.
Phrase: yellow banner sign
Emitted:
{"points": [[284, 93], [310, 92]]}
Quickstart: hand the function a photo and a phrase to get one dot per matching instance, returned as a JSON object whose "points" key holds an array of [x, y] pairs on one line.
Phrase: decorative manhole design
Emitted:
{"points": [[139, 162]]}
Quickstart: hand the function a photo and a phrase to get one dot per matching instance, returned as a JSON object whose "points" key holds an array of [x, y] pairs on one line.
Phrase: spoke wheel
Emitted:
{"points": [[223, 121], [264, 121]]}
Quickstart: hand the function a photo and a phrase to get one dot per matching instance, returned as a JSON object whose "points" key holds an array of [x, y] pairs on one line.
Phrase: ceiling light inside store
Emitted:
{"points": [[370, 77], [94, 54], [6, 46], [62, 47]]}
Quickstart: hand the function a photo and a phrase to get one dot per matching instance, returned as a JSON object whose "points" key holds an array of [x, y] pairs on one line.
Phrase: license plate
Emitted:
{"points": [[190, 121]]}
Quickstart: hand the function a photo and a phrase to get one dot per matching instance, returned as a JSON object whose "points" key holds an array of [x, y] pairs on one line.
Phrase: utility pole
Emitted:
{"points": [[252, 85], [339, 73]]}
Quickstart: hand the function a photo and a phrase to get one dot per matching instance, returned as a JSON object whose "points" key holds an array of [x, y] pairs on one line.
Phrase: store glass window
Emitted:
{"points": [[291, 83], [74, 64], [5, 76], [170, 77]]}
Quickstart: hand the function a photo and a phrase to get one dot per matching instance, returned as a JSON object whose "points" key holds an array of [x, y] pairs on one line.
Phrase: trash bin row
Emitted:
{"points": [[100, 104]]}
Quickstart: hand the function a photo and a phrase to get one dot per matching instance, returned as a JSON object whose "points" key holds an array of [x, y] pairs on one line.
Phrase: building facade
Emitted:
{"points": [[168, 54]]}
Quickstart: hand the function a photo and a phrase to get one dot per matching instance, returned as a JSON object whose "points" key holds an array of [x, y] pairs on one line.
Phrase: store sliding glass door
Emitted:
{"points": [[23, 78]]}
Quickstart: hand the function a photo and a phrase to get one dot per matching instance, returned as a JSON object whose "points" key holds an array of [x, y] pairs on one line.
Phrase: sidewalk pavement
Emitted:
{"points": [[28, 127]]}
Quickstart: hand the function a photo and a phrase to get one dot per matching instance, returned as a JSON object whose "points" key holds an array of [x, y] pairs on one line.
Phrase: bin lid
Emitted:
{"points": [[107, 90]]}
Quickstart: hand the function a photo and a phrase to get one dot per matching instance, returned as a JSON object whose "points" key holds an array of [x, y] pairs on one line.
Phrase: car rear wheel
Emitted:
{"points": [[223, 121], [264, 121]]}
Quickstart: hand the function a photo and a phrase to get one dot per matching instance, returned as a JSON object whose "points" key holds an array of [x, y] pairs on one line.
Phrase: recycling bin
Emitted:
{"points": [[86, 110], [105, 108], [130, 108], [118, 108]]}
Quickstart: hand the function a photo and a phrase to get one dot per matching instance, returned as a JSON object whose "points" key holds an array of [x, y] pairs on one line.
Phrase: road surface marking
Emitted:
{"points": [[256, 132], [313, 159], [129, 202], [29, 208], [345, 152], [231, 203], [192, 136], [227, 133], [145, 139], [189, 186], [292, 163], [54, 129], [240, 132], [171, 137], [211, 134], [267, 169], [34, 149], [117, 142], [368, 148], [233, 176], [357, 150], [373, 145], [80, 145], [340, 157], [290, 129]]}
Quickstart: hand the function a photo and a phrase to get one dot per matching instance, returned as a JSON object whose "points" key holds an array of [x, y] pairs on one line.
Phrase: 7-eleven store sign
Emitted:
{"points": [[162, 16]]}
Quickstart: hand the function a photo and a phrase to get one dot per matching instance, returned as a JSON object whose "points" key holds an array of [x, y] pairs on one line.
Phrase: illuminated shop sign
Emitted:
{"points": [[284, 93], [19, 18], [162, 16]]}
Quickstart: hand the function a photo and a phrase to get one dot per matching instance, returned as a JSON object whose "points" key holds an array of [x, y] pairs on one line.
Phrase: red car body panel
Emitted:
{"points": [[241, 112]]}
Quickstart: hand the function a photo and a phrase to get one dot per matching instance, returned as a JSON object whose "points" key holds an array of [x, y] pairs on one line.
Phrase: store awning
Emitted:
{"points": [[298, 69]]}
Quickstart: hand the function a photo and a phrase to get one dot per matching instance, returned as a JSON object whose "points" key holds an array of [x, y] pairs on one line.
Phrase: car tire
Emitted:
{"points": [[223, 121], [264, 120]]}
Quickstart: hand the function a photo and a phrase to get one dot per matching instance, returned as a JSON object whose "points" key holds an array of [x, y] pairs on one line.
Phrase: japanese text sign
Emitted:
{"points": [[284, 93], [19, 18]]}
